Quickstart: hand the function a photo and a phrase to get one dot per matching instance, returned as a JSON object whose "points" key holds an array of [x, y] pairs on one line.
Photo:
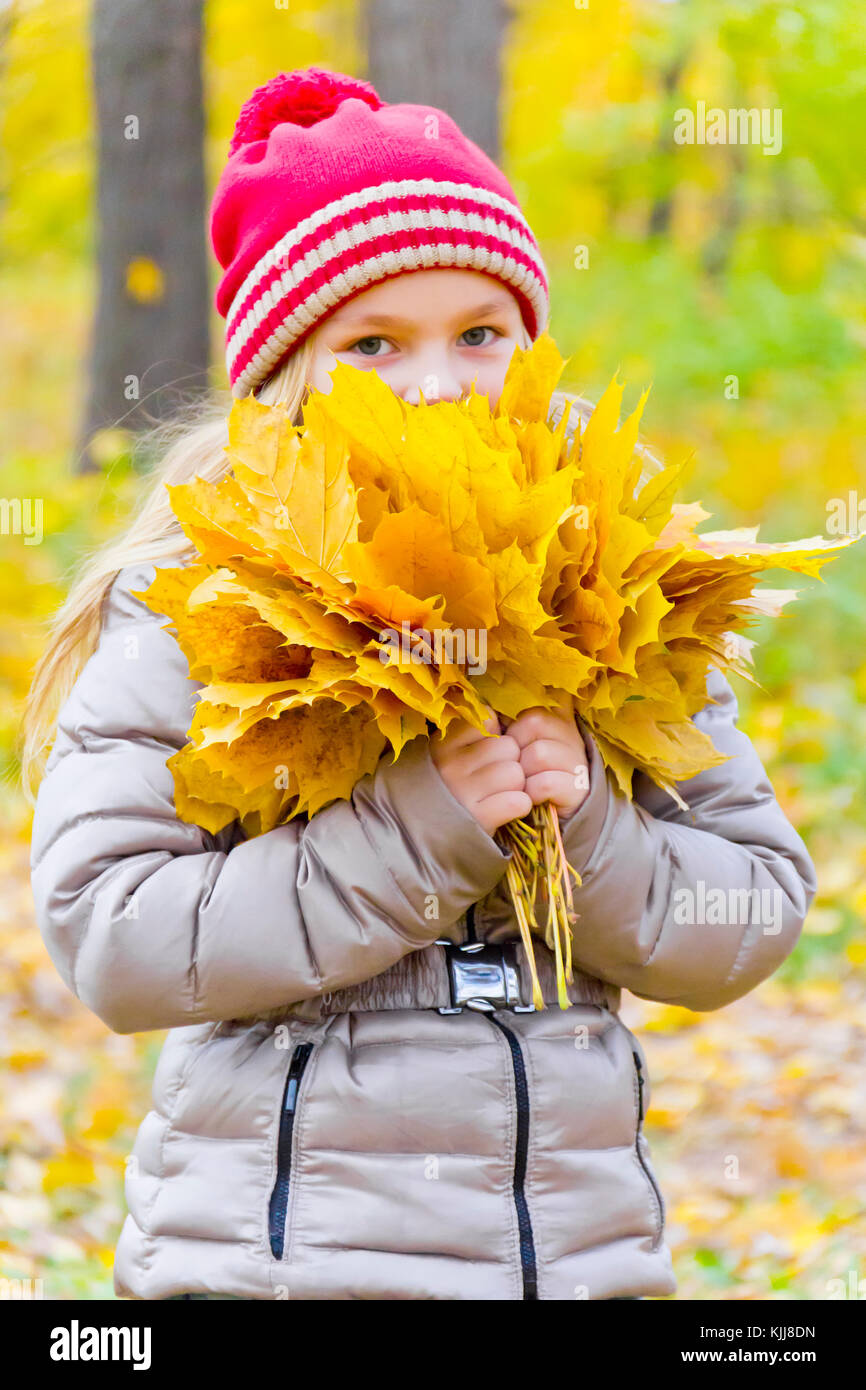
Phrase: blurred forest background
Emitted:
{"points": [[730, 279]]}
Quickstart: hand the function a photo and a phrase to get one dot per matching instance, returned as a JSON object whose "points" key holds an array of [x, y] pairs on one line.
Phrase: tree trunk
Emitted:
{"points": [[729, 214], [443, 53], [662, 208], [150, 334]]}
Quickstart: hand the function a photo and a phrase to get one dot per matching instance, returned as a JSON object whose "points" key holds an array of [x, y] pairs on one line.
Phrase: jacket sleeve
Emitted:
{"points": [[695, 908], [155, 923]]}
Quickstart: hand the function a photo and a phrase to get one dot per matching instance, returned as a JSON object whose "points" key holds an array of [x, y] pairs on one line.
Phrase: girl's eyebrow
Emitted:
{"points": [[395, 321]]}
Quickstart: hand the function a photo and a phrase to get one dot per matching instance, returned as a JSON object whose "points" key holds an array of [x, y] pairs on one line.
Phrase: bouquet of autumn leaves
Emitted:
{"points": [[373, 518]]}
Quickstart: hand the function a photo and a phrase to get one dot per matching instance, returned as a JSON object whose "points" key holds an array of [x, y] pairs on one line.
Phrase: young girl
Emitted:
{"points": [[356, 1099]]}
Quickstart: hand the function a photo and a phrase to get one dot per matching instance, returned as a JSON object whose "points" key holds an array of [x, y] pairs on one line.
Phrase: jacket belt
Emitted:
{"points": [[444, 977]]}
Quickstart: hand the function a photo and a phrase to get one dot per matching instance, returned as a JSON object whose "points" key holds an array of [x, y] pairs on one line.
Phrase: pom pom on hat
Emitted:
{"points": [[303, 98]]}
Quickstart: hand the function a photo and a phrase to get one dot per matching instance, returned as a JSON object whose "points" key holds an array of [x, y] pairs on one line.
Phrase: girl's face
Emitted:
{"points": [[431, 332]]}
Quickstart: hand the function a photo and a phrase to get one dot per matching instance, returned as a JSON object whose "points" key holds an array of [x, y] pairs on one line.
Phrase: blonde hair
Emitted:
{"points": [[192, 444]]}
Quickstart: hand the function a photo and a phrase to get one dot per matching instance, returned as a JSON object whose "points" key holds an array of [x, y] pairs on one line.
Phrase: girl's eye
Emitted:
{"points": [[485, 329], [360, 346]]}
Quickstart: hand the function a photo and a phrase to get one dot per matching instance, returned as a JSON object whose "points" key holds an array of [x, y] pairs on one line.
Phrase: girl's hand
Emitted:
{"points": [[553, 757], [483, 773]]}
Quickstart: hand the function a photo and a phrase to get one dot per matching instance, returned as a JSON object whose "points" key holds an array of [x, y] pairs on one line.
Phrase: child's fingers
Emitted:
{"points": [[460, 733], [553, 755], [485, 751], [537, 723], [501, 807], [557, 787]]}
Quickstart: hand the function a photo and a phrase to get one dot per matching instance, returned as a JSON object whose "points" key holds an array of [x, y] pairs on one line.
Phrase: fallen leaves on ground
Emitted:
{"points": [[756, 1131]]}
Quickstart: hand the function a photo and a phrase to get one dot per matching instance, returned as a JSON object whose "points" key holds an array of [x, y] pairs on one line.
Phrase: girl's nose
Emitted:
{"points": [[435, 381]]}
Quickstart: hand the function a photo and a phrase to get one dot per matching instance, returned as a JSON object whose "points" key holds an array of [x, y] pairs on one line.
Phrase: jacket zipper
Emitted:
{"points": [[279, 1202], [640, 1119], [524, 1224]]}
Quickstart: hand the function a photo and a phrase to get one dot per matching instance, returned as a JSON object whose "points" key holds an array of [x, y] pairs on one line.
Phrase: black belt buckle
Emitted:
{"points": [[484, 978]]}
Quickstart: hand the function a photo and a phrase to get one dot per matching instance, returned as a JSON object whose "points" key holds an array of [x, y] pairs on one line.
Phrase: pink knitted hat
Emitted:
{"points": [[329, 190]]}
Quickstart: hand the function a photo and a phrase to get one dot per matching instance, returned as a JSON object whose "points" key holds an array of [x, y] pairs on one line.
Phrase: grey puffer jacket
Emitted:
{"points": [[319, 1129]]}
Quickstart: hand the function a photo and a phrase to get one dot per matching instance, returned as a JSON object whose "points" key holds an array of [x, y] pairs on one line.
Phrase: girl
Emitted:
{"points": [[356, 1099]]}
